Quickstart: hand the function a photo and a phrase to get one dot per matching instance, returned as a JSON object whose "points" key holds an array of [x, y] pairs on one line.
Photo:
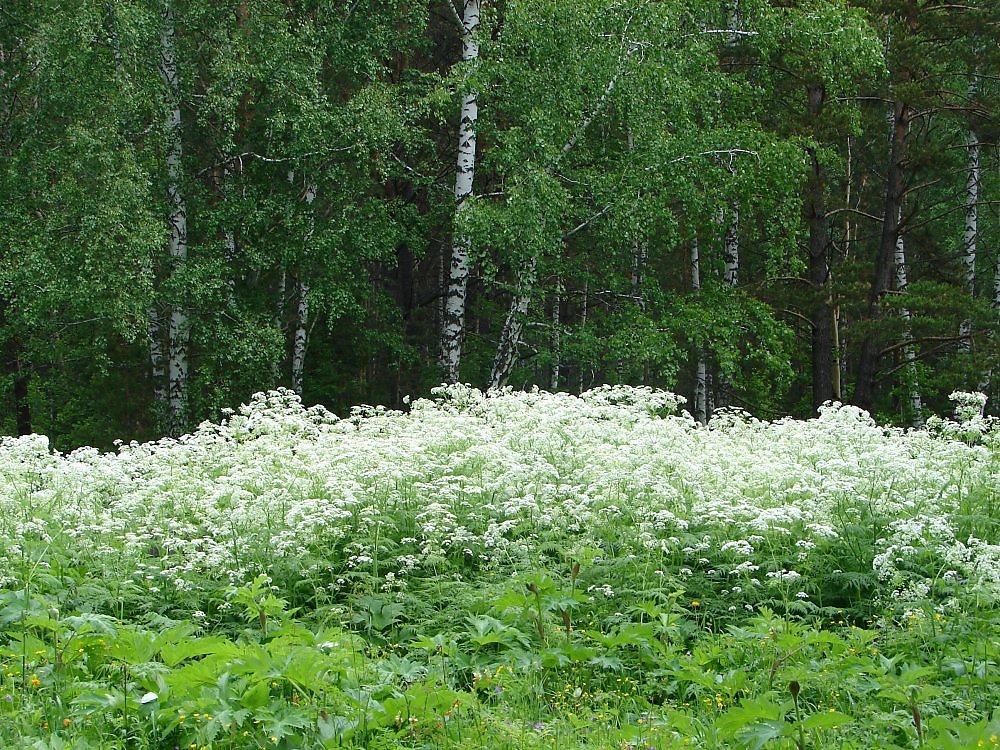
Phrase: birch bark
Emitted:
{"points": [[556, 338], [996, 285], [583, 327], [972, 185], [723, 386], [229, 244], [909, 351], [156, 362], [301, 337], [506, 356], [731, 249], [989, 379], [639, 253], [453, 313], [701, 369], [178, 330]]}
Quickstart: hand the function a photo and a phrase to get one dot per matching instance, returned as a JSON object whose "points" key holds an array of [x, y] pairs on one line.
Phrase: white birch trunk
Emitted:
{"points": [[996, 285], [156, 362], [731, 277], [229, 243], [731, 249], [510, 338], [453, 318], [735, 21], [701, 369], [178, 331], [583, 327], [990, 375], [972, 185], [279, 304], [301, 337], [638, 269], [909, 352], [556, 338], [838, 359], [639, 254]]}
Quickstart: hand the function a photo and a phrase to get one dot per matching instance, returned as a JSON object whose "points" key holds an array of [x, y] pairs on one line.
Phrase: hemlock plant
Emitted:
{"points": [[507, 570]]}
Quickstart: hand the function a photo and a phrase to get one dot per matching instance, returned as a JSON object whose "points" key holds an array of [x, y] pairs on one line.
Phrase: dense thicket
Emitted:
{"points": [[762, 204]]}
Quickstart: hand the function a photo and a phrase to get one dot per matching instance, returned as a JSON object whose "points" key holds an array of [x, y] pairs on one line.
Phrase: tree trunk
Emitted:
{"points": [[583, 328], [723, 386], [556, 337], [453, 314], [510, 338], [989, 377], [821, 315], [972, 185], [996, 285], [157, 365], [864, 388], [229, 245], [909, 352], [701, 369], [178, 332], [731, 249], [639, 253], [838, 363], [301, 337]]}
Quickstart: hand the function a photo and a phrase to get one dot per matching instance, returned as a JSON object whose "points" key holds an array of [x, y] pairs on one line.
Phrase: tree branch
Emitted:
{"points": [[924, 339], [455, 17]]}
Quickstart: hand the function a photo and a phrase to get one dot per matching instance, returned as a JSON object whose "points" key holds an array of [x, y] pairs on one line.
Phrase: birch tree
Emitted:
{"points": [[701, 369], [731, 248], [178, 330], [915, 402], [300, 338], [453, 312], [78, 220], [623, 49], [971, 233]]}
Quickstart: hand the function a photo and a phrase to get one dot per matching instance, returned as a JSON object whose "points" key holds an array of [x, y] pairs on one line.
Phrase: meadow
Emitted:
{"points": [[506, 570]]}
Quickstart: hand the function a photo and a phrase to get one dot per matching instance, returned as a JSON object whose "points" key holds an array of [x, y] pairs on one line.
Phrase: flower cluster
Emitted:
{"points": [[481, 478]]}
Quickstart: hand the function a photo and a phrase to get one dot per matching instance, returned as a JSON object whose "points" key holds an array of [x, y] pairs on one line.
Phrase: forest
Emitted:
{"points": [[763, 204]]}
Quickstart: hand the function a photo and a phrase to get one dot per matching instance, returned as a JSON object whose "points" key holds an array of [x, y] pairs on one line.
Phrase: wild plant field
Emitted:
{"points": [[506, 571]]}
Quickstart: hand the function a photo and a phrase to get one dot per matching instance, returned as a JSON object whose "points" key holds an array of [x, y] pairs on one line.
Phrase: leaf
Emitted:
{"points": [[956, 667], [100, 700], [748, 712], [612, 663], [338, 728], [281, 721], [763, 732], [257, 696], [826, 720], [134, 646], [174, 653]]}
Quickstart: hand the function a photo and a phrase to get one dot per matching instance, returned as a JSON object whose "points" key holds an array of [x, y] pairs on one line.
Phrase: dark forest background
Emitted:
{"points": [[756, 204]]}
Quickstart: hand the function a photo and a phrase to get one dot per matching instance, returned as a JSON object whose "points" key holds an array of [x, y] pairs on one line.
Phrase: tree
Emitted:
{"points": [[453, 317]]}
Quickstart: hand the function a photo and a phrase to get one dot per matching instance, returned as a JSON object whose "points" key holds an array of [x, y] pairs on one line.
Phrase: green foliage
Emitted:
{"points": [[318, 163], [532, 569]]}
